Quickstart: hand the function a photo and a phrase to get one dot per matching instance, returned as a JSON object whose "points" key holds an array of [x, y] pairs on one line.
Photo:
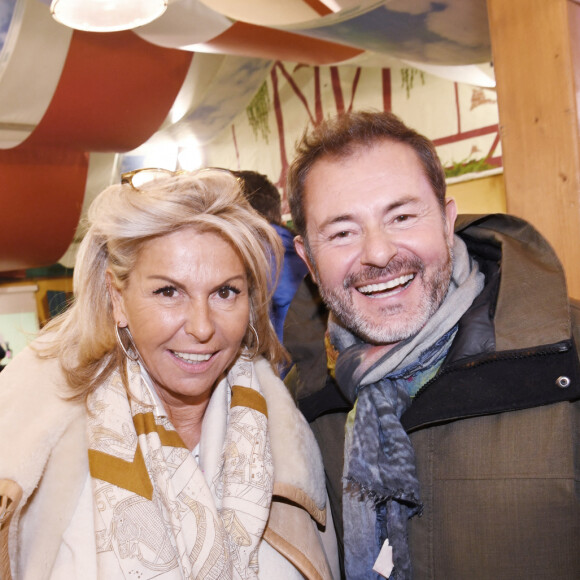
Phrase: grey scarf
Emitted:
{"points": [[381, 490]]}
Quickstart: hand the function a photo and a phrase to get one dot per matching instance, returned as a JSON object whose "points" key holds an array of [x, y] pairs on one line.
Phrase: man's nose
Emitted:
{"points": [[199, 321], [378, 249]]}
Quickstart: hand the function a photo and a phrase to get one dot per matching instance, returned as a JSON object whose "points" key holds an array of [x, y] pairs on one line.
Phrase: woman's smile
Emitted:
{"points": [[192, 358]]}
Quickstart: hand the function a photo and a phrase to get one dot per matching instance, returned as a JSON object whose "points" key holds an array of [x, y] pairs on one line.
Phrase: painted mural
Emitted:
{"points": [[461, 119]]}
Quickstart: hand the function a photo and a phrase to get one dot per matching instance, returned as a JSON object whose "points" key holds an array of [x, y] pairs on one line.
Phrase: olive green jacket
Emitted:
{"points": [[496, 433]]}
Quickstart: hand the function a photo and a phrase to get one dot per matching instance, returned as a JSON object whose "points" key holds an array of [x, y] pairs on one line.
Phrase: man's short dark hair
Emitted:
{"points": [[262, 194], [339, 136]]}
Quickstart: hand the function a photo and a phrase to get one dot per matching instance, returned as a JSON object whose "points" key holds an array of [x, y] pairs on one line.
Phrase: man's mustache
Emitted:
{"points": [[397, 265]]}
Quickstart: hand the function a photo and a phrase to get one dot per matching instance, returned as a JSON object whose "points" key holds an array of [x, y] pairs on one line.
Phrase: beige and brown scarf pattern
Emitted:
{"points": [[155, 515]]}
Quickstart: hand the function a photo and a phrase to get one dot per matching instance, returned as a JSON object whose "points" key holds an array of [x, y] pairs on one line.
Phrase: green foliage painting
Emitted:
{"points": [[467, 166], [257, 112], [408, 78]]}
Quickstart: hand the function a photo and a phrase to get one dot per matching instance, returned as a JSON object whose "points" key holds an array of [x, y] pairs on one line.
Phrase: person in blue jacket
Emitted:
{"points": [[264, 197]]}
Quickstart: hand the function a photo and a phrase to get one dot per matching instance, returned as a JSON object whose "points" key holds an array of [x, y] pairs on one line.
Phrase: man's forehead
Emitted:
{"points": [[356, 149], [382, 175], [387, 150]]}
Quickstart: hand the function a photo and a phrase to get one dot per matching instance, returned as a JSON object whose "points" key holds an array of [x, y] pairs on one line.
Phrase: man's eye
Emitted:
{"points": [[401, 218], [226, 292], [166, 291], [340, 235]]}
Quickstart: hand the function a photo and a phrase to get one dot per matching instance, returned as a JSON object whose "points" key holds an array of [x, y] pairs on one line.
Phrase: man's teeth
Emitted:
{"points": [[371, 288], [190, 357]]}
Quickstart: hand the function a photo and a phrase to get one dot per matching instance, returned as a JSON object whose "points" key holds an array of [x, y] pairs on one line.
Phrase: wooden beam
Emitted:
{"points": [[536, 55]]}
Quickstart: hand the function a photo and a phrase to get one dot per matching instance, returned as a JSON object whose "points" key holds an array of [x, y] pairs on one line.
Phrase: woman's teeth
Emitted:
{"points": [[190, 357], [383, 287]]}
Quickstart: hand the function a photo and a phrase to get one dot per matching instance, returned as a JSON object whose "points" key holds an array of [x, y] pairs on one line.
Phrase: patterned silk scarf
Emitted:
{"points": [[155, 515]]}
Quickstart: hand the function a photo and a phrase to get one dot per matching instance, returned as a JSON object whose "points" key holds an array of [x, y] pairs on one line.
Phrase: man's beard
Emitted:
{"points": [[392, 324]]}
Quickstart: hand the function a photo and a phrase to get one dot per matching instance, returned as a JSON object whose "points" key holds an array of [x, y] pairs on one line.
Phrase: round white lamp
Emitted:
{"points": [[106, 15]]}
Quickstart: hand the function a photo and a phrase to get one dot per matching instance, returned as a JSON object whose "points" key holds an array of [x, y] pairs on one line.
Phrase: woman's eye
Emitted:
{"points": [[226, 292], [166, 291]]}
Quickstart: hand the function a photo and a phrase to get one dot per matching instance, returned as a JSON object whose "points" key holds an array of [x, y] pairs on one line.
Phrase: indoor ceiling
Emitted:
{"points": [[66, 93]]}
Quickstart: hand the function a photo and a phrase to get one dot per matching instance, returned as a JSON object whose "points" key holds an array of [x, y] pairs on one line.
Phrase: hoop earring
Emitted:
{"points": [[127, 353], [257, 343]]}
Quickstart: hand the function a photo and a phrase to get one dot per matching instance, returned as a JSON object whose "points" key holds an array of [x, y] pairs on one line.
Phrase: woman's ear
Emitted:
{"points": [[116, 300]]}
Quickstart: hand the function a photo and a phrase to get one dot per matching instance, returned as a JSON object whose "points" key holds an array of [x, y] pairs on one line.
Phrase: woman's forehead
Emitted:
{"points": [[188, 250]]}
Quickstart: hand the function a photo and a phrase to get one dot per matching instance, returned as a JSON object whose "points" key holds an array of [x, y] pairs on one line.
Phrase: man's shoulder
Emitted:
{"points": [[506, 226], [497, 221]]}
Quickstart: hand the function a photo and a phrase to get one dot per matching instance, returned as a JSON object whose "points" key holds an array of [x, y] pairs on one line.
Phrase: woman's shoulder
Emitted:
{"points": [[29, 367], [297, 458], [33, 391], [34, 415]]}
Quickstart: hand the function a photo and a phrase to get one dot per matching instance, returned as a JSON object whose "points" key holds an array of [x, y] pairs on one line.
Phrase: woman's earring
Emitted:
{"points": [[256, 342], [131, 347]]}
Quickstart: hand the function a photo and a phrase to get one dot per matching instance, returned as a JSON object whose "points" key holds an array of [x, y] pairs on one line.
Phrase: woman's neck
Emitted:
{"points": [[187, 420], [185, 412]]}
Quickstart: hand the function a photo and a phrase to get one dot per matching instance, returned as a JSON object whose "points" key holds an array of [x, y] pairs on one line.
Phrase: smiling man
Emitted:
{"points": [[442, 386], [381, 250]]}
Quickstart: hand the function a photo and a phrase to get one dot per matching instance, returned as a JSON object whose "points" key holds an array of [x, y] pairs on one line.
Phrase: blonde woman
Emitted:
{"points": [[145, 434]]}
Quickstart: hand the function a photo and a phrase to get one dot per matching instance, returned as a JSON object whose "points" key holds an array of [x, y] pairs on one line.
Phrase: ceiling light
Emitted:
{"points": [[190, 157], [106, 15]]}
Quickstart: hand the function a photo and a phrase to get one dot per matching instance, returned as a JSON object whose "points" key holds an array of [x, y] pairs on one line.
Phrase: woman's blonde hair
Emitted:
{"points": [[120, 220]]}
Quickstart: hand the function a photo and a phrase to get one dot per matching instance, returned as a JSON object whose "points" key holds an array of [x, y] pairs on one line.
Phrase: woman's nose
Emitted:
{"points": [[198, 321], [378, 248]]}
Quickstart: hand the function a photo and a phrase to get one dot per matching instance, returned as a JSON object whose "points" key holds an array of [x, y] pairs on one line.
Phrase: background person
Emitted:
{"points": [[3, 351], [264, 197], [145, 433], [457, 352]]}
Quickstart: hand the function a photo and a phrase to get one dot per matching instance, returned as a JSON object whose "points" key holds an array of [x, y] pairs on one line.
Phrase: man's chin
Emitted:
{"points": [[386, 326], [378, 325], [382, 336]]}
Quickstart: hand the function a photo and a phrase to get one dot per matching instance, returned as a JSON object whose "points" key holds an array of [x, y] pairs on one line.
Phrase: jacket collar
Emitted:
{"points": [[528, 277]]}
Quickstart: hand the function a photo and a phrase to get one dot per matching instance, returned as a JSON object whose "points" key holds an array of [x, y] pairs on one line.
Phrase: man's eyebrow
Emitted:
{"points": [[348, 217], [400, 203], [336, 220]]}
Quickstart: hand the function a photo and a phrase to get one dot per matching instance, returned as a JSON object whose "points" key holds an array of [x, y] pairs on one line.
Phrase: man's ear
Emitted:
{"points": [[116, 300], [450, 217], [300, 246]]}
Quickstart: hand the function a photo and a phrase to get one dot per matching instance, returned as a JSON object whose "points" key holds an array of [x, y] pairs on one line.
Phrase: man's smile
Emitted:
{"points": [[396, 284]]}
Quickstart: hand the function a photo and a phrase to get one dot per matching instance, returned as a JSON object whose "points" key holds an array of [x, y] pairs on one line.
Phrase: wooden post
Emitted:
{"points": [[536, 55]]}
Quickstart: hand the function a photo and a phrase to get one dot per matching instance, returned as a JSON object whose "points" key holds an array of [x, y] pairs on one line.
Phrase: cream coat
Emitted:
{"points": [[44, 469]]}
